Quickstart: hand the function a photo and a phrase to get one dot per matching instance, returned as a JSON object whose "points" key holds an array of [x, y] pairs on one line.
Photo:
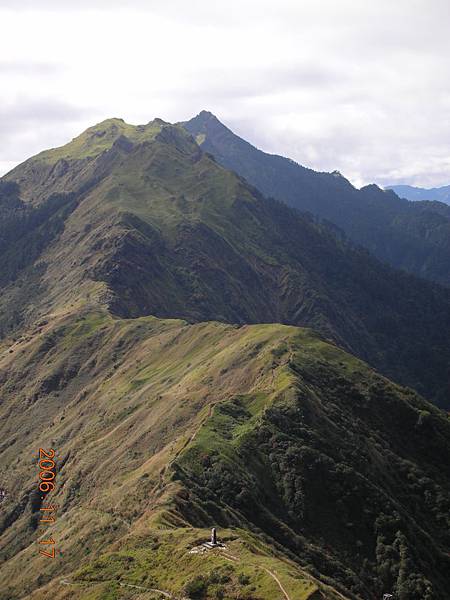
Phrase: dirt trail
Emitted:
{"points": [[155, 590], [136, 587], [286, 595], [232, 558]]}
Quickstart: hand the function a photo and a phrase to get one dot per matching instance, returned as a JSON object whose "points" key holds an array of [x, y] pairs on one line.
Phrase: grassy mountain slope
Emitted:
{"points": [[410, 236], [323, 468], [316, 469], [118, 400], [125, 255], [144, 222]]}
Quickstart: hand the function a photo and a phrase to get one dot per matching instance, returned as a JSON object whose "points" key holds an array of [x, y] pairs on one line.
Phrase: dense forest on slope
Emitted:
{"points": [[160, 228], [414, 236]]}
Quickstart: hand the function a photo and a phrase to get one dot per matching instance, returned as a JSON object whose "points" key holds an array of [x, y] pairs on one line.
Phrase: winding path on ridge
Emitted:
{"points": [[136, 587], [286, 595], [233, 558]]}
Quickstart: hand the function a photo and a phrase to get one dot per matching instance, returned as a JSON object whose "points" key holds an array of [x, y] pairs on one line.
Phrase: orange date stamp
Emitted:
{"points": [[47, 476]]}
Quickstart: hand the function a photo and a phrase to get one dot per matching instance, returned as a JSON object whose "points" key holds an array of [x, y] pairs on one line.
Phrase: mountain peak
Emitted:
{"points": [[110, 137], [100, 137], [206, 115], [205, 121], [371, 187], [374, 190], [110, 122]]}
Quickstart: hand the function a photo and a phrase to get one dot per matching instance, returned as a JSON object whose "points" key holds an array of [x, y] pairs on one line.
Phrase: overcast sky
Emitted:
{"points": [[361, 86]]}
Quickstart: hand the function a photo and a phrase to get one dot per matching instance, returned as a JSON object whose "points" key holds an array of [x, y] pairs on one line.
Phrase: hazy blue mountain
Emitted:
{"points": [[410, 192]]}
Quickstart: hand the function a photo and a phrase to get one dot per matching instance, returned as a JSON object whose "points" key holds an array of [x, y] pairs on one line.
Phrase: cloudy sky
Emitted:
{"points": [[354, 85]]}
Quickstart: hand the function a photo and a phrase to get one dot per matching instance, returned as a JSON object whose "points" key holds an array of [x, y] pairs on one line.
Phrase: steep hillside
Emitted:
{"points": [[119, 400], [322, 476], [440, 194], [410, 236], [140, 220]]}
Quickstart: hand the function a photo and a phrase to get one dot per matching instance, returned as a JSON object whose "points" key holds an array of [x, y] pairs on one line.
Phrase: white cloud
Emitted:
{"points": [[353, 85]]}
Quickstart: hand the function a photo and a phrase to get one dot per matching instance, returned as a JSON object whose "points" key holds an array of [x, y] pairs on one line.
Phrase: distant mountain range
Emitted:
{"points": [[410, 236], [200, 355], [440, 194]]}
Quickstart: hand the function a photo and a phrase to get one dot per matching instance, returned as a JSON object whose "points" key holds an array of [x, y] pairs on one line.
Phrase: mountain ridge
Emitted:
{"points": [[410, 236], [158, 227], [138, 278], [411, 192], [184, 426]]}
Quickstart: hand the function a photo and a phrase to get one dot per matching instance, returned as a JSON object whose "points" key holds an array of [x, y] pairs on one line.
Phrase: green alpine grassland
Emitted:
{"points": [[198, 356]]}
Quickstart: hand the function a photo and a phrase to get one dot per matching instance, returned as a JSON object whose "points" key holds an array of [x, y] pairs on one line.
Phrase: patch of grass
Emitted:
{"points": [[99, 138], [162, 560]]}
